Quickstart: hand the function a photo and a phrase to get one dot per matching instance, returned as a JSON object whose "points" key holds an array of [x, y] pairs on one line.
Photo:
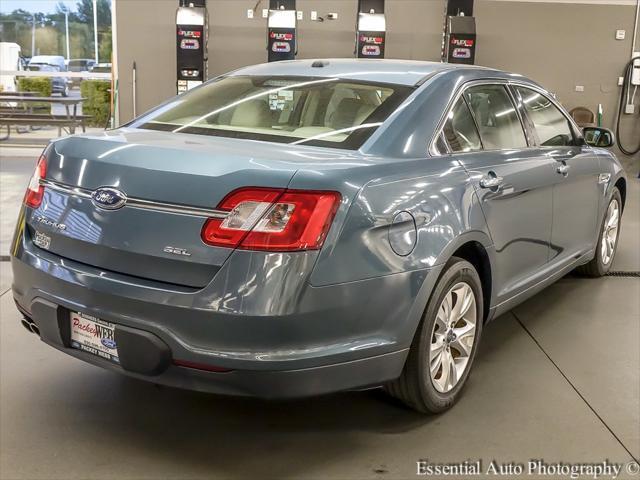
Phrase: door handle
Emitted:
{"points": [[491, 181], [563, 169]]}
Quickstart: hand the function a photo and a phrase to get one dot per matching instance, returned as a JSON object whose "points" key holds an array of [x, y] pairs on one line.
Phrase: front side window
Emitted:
{"points": [[460, 132], [551, 126], [329, 112], [496, 117]]}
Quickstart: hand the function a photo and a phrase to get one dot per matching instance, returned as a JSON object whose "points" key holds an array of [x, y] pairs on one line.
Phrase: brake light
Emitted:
{"points": [[35, 191], [273, 220]]}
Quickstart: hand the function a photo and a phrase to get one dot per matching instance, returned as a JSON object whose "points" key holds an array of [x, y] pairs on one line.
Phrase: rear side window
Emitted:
{"points": [[496, 117], [460, 131], [551, 126]]}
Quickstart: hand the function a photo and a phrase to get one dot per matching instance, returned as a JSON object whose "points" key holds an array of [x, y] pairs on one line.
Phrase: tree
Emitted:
{"points": [[85, 13], [50, 30], [61, 8]]}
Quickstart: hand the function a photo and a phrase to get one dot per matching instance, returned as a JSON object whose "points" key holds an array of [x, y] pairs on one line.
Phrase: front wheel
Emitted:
{"points": [[445, 343], [607, 239]]}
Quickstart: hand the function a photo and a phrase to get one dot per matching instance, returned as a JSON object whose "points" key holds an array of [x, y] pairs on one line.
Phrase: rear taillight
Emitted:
{"points": [[35, 191], [273, 219]]}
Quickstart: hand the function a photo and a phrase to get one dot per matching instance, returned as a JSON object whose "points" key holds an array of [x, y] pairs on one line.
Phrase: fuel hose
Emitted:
{"points": [[626, 85]]}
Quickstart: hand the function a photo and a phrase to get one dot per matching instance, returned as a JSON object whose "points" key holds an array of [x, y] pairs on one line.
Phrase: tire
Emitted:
{"points": [[65, 91], [600, 264], [416, 386]]}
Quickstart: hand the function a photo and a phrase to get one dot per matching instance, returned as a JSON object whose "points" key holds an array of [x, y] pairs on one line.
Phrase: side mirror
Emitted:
{"points": [[599, 137]]}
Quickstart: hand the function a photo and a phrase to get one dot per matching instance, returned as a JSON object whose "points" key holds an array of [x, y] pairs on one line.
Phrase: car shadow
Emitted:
{"points": [[236, 436]]}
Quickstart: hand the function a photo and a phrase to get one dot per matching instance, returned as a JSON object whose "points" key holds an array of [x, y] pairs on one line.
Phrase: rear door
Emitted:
{"points": [[576, 189], [513, 183]]}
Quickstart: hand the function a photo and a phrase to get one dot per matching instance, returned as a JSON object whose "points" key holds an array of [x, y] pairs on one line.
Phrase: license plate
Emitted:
{"points": [[92, 335]]}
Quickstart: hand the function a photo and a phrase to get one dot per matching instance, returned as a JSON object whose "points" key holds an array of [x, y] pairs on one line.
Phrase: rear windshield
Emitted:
{"points": [[35, 67], [78, 65], [329, 112]]}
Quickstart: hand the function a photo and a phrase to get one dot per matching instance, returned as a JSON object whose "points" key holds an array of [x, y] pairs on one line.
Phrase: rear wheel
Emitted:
{"points": [[607, 239], [445, 343]]}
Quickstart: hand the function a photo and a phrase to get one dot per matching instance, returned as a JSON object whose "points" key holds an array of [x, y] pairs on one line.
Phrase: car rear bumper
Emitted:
{"points": [[147, 357], [307, 341]]}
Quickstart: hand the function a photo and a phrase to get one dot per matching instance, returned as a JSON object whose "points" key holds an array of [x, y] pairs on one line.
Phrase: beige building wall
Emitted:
{"points": [[144, 33], [562, 45]]}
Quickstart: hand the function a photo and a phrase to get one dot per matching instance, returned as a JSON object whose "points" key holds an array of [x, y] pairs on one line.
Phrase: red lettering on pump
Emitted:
{"points": [[281, 36], [461, 42], [189, 33], [373, 40]]}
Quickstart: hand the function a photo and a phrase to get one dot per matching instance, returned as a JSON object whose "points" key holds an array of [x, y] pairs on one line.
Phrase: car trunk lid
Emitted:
{"points": [[172, 184]]}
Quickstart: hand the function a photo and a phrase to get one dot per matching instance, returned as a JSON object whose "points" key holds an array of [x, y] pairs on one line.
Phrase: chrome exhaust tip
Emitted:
{"points": [[30, 325], [26, 325], [35, 329]]}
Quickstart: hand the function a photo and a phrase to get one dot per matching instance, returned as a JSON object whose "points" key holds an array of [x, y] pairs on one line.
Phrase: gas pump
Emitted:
{"points": [[281, 30], [459, 36], [460, 45], [191, 27], [371, 29]]}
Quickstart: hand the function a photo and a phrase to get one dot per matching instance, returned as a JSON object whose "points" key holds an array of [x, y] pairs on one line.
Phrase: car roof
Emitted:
{"points": [[54, 60], [402, 72], [48, 57]]}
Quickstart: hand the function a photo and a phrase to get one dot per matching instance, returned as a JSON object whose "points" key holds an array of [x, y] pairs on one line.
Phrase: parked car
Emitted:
{"points": [[101, 68], [52, 63], [79, 65], [305, 227], [56, 60], [58, 84]]}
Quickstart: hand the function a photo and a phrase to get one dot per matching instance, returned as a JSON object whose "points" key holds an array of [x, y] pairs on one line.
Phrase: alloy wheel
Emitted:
{"points": [[610, 232], [453, 337]]}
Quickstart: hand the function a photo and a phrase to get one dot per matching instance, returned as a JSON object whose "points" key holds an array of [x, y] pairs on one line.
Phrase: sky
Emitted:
{"points": [[44, 6]]}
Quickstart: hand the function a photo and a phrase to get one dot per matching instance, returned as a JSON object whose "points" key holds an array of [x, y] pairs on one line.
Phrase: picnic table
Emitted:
{"points": [[10, 115], [19, 94]]}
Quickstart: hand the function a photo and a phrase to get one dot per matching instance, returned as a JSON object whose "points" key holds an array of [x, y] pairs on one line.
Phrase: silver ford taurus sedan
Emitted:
{"points": [[305, 227]]}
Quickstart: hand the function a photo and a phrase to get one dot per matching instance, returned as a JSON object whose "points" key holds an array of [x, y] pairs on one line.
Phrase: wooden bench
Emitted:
{"points": [[8, 111], [20, 94], [21, 110], [18, 119]]}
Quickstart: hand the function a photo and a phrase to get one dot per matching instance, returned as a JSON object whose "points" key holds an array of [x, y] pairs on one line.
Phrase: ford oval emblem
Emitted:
{"points": [[108, 198], [107, 342]]}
